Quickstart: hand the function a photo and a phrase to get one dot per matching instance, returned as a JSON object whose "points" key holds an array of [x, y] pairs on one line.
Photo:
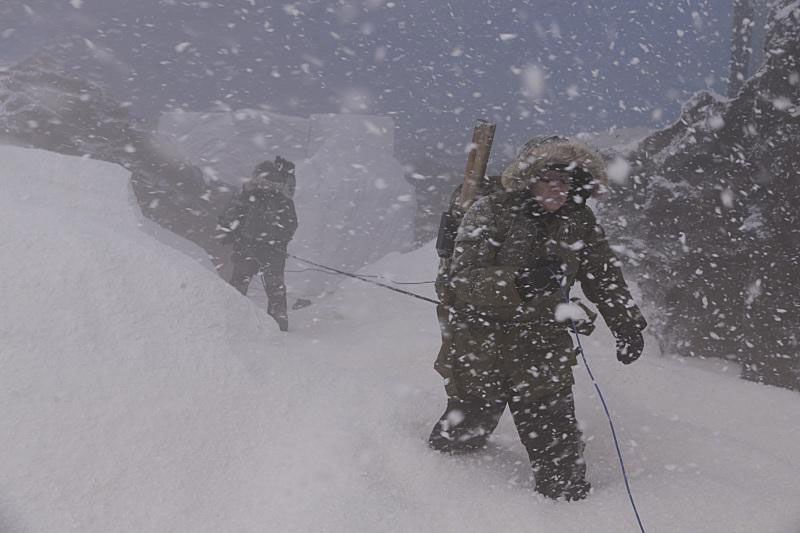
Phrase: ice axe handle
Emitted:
{"points": [[477, 161]]}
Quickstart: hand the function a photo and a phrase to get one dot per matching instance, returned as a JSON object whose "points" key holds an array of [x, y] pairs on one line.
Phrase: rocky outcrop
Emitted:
{"points": [[710, 215]]}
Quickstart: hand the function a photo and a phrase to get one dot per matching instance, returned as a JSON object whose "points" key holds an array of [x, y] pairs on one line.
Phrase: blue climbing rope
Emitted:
{"points": [[565, 294]]}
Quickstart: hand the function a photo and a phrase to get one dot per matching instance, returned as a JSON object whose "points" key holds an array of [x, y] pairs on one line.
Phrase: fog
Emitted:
{"points": [[532, 67]]}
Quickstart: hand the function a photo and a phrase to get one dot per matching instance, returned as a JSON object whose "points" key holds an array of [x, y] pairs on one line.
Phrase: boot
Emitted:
{"points": [[465, 426], [445, 444], [283, 322], [560, 491]]}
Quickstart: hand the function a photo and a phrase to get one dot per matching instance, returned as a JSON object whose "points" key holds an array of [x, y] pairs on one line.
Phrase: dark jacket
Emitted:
{"points": [[260, 222]]}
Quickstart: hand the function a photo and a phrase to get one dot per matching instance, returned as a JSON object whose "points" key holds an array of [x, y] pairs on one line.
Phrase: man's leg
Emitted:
{"points": [[466, 424], [276, 290], [243, 271], [549, 430]]}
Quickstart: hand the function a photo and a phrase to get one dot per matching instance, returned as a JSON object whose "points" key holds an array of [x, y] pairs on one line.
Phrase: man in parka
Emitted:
{"points": [[517, 254], [445, 246], [260, 222]]}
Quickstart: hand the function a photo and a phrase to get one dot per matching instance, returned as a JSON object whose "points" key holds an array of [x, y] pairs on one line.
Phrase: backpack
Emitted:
{"points": [[451, 219]]}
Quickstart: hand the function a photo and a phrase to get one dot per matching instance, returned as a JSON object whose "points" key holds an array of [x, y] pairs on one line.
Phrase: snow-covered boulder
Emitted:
{"points": [[227, 145]]}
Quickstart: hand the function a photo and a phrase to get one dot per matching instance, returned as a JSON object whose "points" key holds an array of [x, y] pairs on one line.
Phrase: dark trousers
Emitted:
{"points": [[243, 271], [547, 428]]}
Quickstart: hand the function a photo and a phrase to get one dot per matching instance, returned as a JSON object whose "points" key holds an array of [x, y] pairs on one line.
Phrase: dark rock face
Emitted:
{"points": [[43, 106], [710, 214]]}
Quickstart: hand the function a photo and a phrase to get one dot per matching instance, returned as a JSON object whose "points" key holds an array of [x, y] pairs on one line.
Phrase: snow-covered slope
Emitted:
{"points": [[128, 393], [141, 393]]}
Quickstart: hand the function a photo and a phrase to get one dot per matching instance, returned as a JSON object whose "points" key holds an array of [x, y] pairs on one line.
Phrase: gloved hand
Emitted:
{"points": [[629, 347], [543, 278], [224, 234]]}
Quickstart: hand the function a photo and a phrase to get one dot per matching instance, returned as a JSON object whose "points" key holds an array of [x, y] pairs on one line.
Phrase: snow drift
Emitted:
{"points": [[124, 406]]}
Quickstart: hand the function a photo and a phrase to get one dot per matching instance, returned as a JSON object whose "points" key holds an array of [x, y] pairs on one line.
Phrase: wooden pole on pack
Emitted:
{"points": [[477, 161]]}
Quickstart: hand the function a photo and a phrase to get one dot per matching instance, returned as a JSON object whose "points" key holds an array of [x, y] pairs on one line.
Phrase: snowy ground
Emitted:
{"points": [[141, 393]]}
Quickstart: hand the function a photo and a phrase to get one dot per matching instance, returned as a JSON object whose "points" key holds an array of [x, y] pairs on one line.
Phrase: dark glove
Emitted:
{"points": [[629, 347], [226, 230], [542, 279]]}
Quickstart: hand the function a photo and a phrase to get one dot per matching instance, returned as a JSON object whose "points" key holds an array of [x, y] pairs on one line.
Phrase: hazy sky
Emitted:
{"points": [[533, 66]]}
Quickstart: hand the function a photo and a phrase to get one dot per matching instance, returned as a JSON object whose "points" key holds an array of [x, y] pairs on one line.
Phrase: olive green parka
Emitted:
{"points": [[498, 338]]}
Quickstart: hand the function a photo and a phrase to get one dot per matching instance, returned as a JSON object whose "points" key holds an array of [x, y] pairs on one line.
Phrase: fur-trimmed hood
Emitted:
{"points": [[536, 156]]}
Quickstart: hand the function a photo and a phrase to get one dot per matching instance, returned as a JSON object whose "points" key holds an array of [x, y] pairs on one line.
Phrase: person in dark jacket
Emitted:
{"points": [[517, 253], [445, 246], [260, 222]]}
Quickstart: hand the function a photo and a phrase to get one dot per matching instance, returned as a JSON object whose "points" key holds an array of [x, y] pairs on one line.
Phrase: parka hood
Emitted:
{"points": [[536, 157]]}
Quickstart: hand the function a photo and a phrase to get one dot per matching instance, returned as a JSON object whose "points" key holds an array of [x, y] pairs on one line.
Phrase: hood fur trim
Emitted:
{"points": [[533, 158]]}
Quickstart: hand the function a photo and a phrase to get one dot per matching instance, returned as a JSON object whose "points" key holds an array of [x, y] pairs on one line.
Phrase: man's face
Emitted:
{"points": [[551, 189]]}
